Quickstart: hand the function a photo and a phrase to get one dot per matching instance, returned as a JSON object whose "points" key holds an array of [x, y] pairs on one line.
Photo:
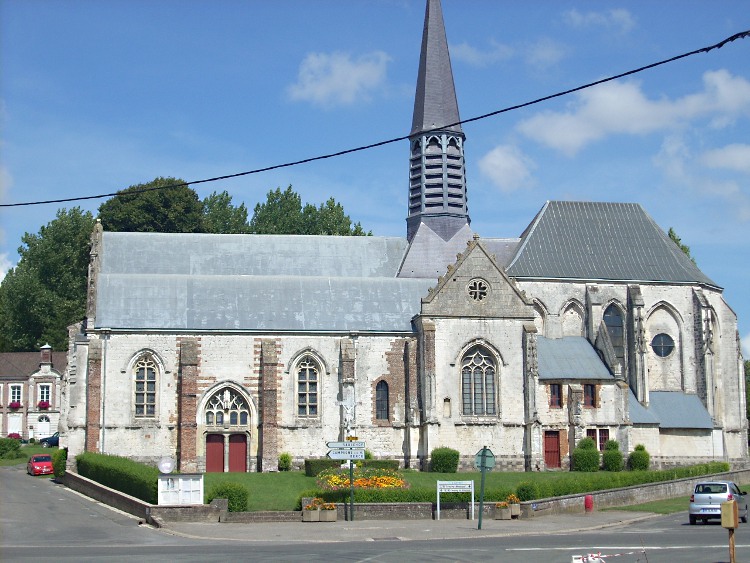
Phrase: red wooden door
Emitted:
{"points": [[214, 453], [552, 448], [238, 453]]}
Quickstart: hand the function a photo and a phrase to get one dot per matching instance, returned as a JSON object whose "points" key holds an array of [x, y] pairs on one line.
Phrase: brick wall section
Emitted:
{"points": [[187, 403], [94, 396], [269, 403], [395, 377]]}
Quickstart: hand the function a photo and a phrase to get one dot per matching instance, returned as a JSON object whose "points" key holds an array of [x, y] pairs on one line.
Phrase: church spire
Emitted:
{"points": [[437, 177]]}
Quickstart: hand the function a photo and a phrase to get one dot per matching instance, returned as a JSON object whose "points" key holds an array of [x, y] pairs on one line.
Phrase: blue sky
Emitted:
{"points": [[97, 96]]}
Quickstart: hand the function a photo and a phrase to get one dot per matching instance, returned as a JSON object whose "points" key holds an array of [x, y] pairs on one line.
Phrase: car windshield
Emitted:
{"points": [[42, 458], [710, 489]]}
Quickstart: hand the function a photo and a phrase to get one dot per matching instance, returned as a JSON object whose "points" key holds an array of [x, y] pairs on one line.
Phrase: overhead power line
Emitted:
{"points": [[719, 45]]}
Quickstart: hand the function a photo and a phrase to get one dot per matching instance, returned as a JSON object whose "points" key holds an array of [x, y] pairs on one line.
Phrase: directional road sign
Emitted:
{"points": [[350, 445], [347, 453]]}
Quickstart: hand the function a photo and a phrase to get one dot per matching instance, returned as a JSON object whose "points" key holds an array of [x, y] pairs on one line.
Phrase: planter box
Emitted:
{"points": [[311, 515], [328, 515], [515, 510], [502, 514]]}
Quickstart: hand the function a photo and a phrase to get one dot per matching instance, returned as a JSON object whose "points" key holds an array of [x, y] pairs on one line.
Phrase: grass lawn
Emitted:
{"points": [[27, 450]]}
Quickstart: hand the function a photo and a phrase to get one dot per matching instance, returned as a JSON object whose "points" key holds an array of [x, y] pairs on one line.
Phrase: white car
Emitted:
{"points": [[705, 502]]}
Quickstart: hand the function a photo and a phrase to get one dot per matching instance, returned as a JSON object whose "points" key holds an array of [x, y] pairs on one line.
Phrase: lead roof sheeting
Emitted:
{"points": [[287, 303], [601, 241], [638, 413], [208, 254], [675, 409], [571, 357]]}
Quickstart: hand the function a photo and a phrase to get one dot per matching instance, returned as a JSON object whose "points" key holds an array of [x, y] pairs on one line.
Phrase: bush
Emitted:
{"points": [[368, 454], [612, 456], [586, 456], [444, 460], [9, 445], [125, 475], [391, 464], [639, 459], [285, 462], [59, 459], [236, 494], [315, 466]]}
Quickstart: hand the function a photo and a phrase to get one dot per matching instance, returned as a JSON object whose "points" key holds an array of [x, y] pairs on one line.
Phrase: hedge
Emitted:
{"points": [[125, 475], [444, 460], [313, 467], [639, 459], [586, 456], [612, 456], [59, 459], [9, 447], [236, 494]]}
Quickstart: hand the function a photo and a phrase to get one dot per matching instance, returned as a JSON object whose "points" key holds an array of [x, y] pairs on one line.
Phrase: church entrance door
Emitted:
{"points": [[238, 453], [552, 448], [214, 453]]}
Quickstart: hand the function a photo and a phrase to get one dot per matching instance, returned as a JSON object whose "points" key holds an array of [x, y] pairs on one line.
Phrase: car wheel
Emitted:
{"points": [[692, 520], [743, 519], [45, 444]]}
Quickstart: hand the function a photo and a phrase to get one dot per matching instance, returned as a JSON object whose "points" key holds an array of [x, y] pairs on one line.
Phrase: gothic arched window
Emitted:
{"points": [[615, 328], [226, 404], [381, 401], [145, 387], [478, 382], [308, 377]]}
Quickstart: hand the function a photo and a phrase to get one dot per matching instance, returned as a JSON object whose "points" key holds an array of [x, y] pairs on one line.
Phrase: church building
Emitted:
{"points": [[225, 351]]}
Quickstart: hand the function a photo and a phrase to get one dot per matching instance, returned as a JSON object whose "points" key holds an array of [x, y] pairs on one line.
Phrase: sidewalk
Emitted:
{"points": [[404, 530]]}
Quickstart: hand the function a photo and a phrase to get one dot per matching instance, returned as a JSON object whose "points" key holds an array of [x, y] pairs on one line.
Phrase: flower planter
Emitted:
{"points": [[328, 515], [502, 514], [43, 405], [311, 515], [515, 510]]}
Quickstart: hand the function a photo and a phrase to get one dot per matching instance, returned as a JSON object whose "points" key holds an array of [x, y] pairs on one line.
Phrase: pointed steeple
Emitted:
{"points": [[437, 176]]}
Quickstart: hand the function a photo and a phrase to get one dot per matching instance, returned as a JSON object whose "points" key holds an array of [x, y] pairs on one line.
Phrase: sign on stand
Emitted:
{"points": [[455, 487], [346, 454], [351, 449]]}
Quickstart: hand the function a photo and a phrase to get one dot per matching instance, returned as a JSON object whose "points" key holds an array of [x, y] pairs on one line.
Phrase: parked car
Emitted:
{"points": [[705, 502], [39, 464], [50, 441]]}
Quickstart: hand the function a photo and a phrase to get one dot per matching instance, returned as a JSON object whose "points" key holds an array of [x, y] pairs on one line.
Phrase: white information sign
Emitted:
{"points": [[455, 487], [347, 454], [352, 444]]}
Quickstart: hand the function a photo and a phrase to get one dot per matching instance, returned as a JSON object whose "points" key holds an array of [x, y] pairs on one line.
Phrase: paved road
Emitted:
{"points": [[43, 521]]}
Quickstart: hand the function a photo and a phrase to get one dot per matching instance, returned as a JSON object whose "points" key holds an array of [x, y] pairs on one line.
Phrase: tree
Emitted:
{"points": [[282, 213], [46, 291], [678, 241], [220, 216], [158, 209]]}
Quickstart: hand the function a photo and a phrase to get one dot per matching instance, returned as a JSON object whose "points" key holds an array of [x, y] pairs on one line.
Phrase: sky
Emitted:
{"points": [[98, 96]]}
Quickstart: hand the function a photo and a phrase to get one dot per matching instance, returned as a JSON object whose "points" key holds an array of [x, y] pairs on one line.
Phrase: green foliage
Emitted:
{"points": [[368, 454], [154, 208], [236, 494], [59, 459], [314, 466], [444, 460], [639, 459], [678, 241], [220, 216], [9, 447], [390, 464], [285, 462], [612, 457], [122, 474], [585, 456], [46, 291], [282, 213]]}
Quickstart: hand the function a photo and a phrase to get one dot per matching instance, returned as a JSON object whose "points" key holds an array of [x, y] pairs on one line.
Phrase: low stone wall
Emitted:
{"points": [[151, 513], [627, 495]]}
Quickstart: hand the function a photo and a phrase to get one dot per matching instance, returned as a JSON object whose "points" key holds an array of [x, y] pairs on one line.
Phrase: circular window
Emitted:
{"points": [[662, 345], [478, 289]]}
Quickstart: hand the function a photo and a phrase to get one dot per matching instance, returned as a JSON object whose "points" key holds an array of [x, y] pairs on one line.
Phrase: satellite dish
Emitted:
{"points": [[166, 465]]}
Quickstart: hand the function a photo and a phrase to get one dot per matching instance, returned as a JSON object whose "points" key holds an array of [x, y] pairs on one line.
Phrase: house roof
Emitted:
{"points": [[600, 241], [671, 410], [20, 365], [571, 358]]}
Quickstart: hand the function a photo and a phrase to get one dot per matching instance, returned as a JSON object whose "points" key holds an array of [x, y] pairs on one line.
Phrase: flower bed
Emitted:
{"points": [[337, 479]]}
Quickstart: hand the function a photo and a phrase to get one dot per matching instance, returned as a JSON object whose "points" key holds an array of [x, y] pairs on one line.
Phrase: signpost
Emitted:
{"points": [[455, 487], [351, 449], [484, 461]]}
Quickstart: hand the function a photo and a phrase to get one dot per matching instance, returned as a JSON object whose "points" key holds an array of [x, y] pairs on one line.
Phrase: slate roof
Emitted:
{"points": [[571, 358], [255, 282], [600, 241], [20, 365], [671, 410]]}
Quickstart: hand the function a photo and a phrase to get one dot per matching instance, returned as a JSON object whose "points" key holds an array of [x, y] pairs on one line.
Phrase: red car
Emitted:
{"points": [[40, 464]]}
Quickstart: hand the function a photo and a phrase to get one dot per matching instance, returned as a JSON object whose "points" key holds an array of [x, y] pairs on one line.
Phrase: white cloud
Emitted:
{"points": [[622, 108], [745, 342], [508, 168], [545, 53], [476, 57], [329, 79], [5, 265], [619, 19], [731, 157]]}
